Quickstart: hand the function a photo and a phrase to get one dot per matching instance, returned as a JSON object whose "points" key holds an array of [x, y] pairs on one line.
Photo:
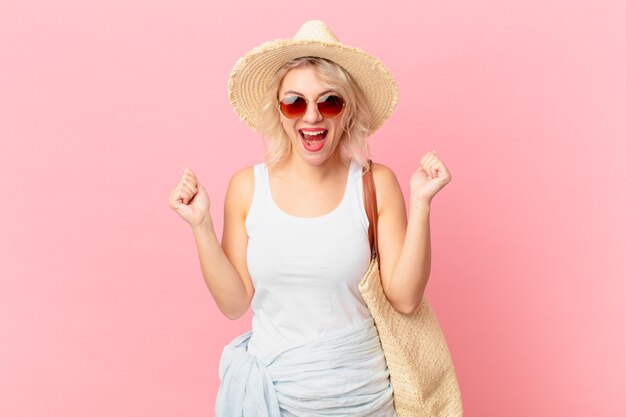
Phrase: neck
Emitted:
{"points": [[300, 168]]}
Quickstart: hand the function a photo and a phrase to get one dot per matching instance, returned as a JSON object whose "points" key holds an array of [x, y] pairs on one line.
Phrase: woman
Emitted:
{"points": [[295, 241]]}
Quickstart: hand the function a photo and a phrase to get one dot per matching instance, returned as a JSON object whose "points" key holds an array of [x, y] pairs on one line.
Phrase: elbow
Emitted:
{"points": [[234, 314], [235, 310], [409, 308]]}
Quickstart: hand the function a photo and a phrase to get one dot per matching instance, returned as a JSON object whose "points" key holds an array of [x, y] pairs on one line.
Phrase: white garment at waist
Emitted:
{"points": [[343, 374]]}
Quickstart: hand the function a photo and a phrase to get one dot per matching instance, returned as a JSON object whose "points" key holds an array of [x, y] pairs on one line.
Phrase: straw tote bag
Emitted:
{"points": [[420, 367]]}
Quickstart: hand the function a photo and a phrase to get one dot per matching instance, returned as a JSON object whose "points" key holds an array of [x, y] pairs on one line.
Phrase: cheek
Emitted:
{"points": [[343, 123], [287, 127], [338, 130]]}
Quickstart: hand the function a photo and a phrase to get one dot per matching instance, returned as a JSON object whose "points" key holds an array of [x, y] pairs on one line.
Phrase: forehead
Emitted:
{"points": [[305, 80]]}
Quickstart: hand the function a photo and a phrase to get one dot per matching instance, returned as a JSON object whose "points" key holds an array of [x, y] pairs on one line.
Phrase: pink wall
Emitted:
{"points": [[103, 310]]}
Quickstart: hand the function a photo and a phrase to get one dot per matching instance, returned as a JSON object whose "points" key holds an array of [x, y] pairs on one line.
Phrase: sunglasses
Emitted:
{"points": [[329, 106]]}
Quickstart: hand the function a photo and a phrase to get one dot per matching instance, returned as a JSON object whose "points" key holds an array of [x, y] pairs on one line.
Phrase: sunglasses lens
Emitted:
{"points": [[330, 106], [293, 106]]}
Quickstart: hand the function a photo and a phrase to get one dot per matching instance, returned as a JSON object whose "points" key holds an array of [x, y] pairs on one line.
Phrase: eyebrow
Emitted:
{"points": [[300, 94]]}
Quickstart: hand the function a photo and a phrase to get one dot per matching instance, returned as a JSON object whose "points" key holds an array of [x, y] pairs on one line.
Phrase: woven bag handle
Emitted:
{"points": [[371, 208]]}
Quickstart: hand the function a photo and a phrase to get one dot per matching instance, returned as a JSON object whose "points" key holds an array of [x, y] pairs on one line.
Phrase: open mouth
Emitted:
{"points": [[313, 139]]}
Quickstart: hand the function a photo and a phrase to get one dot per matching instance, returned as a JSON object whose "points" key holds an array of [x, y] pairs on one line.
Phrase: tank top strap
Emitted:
{"points": [[351, 208], [260, 206], [262, 182], [355, 203]]}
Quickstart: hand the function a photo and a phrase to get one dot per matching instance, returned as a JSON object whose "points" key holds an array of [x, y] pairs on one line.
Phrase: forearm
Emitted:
{"points": [[220, 276], [412, 269]]}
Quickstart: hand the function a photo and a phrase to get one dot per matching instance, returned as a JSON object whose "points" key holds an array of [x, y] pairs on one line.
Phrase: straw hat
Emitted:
{"points": [[252, 73]]}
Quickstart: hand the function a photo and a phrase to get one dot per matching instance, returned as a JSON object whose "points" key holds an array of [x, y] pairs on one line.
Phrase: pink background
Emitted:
{"points": [[103, 310]]}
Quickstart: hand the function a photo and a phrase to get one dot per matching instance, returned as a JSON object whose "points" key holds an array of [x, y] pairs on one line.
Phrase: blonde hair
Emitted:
{"points": [[355, 120]]}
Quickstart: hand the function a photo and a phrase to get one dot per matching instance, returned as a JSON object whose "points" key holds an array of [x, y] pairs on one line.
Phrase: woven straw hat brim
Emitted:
{"points": [[252, 73]]}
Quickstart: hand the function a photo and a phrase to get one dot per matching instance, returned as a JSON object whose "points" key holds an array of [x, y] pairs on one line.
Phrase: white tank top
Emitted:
{"points": [[305, 270]]}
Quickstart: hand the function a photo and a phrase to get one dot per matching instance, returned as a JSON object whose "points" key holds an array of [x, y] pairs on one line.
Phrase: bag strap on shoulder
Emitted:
{"points": [[371, 207]]}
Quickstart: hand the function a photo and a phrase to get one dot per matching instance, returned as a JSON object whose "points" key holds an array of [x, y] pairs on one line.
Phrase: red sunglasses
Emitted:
{"points": [[329, 106]]}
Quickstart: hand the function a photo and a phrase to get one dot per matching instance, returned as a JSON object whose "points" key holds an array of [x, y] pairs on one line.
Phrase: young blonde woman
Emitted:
{"points": [[295, 240]]}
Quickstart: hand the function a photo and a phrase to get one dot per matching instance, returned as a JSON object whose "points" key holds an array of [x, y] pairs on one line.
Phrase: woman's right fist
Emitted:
{"points": [[190, 200]]}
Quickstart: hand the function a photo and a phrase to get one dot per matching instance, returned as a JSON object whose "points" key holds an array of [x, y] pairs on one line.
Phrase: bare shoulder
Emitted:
{"points": [[383, 174], [240, 190], [388, 191]]}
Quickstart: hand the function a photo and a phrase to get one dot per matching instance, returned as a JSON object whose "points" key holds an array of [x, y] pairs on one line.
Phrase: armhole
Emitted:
{"points": [[363, 220], [250, 220]]}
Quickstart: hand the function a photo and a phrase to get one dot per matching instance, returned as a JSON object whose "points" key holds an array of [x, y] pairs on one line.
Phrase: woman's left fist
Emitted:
{"points": [[430, 177]]}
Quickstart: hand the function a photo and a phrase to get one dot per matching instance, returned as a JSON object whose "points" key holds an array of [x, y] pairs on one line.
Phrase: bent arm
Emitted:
{"points": [[224, 267], [412, 270], [405, 250]]}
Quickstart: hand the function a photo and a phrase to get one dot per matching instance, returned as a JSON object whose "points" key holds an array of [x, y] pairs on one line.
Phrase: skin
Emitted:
{"points": [[310, 184]]}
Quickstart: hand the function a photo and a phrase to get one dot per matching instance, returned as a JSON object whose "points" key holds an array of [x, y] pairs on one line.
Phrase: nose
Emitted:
{"points": [[312, 114]]}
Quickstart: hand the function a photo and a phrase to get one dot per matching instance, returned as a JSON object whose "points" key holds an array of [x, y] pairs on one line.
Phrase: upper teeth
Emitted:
{"points": [[317, 132]]}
